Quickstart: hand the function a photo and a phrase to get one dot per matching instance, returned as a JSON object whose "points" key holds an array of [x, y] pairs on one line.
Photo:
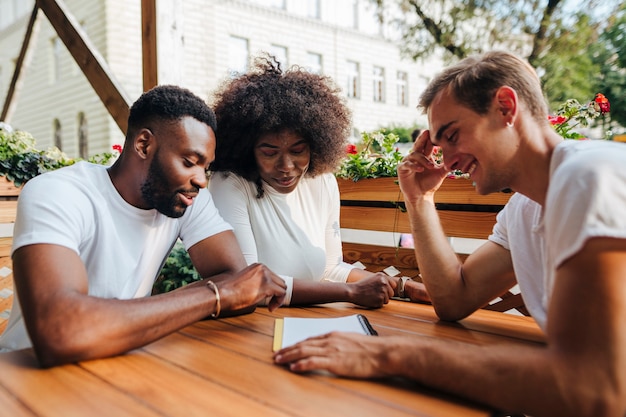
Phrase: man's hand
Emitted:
{"points": [[417, 173], [251, 286], [373, 291], [345, 354]]}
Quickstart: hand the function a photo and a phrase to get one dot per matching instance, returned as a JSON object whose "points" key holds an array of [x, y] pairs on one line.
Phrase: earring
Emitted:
{"points": [[509, 124]]}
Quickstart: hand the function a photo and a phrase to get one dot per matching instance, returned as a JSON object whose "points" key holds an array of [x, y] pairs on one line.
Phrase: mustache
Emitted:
{"points": [[194, 190]]}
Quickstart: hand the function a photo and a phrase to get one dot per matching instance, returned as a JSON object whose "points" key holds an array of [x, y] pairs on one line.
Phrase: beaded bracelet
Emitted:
{"points": [[218, 305]]}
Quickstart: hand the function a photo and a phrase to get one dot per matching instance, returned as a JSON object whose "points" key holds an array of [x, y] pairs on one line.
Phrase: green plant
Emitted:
{"points": [[367, 163], [571, 114], [177, 271], [403, 133], [20, 160]]}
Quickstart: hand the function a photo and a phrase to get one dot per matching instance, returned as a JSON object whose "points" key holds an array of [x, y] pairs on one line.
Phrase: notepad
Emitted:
{"points": [[291, 330]]}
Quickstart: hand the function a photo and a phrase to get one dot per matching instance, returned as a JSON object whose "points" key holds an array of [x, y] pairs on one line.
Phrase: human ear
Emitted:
{"points": [[143, 142], [507, 102]]}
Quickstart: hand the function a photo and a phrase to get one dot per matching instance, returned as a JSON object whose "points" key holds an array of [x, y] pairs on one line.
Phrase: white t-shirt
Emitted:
{"points": [[586, 198], [122, 247], [296, 235]]}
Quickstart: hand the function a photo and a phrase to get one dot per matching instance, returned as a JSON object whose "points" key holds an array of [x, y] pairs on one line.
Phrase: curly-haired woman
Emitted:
{"points": [[280, 136]]}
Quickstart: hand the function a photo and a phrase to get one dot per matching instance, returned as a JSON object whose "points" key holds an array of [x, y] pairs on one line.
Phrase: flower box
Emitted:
{"points": [[452, 191], [8, 191], [377, 204]]}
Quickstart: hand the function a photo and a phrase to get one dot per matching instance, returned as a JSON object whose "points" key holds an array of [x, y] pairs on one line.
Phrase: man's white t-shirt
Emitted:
{"points": [[586, 198], [122, 247]]}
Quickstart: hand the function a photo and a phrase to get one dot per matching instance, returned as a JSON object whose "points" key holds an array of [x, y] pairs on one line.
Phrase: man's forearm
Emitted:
{"points": [[438, 264]]}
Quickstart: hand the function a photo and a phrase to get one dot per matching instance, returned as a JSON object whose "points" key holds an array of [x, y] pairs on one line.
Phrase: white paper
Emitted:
{"points": [[298, 329]]}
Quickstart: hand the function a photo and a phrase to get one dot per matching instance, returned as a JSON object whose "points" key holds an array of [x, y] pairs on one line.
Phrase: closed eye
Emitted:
{"points": [[299, 150], [453, 138]]}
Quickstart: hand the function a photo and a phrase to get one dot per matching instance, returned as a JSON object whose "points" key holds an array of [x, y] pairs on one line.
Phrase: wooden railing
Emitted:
{"points": [[378, 205], [8, 210]]}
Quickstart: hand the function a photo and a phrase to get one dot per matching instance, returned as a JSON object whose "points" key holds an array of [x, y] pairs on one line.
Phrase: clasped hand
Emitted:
{"points": [[373, 291]]}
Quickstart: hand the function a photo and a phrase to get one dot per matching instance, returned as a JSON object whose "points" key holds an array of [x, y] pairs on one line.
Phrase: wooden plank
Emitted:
{"points": [[9, 102], [64, 390], [149, 44], [7, 189], [452, 191], [380, 255], [465, 224], [13, 408], [5, 246], [8, 211], [175, 391], [6, 290], [89, 60]]}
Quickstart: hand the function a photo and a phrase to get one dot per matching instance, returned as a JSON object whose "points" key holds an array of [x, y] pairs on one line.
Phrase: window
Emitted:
{"points": [[279, 4], [306, 8], [347, 13], [379, 84], [238, 55], [58, 135], [56, 46], [313, 9], [83, 150], [314, 62], [402, 87], [352, 87], [280, 52]]}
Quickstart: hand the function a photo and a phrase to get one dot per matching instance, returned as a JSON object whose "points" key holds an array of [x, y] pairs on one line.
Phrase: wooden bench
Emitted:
{"points": [[378, 205], [8, 210]]}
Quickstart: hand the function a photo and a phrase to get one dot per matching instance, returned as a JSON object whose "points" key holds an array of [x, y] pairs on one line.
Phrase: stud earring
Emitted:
{"points": [[509, 124]]}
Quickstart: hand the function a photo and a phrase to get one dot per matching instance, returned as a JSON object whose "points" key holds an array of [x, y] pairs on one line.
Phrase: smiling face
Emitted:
{"points": [[475, 144], [180, 160], [283, 159]]}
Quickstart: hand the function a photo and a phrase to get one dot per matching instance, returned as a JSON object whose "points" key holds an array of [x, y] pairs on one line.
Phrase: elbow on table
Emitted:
{"points": [[55, 350], [451, 312]]}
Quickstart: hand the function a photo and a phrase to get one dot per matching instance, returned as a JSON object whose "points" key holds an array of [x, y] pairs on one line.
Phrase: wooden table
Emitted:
{"points": [[224, 368]]}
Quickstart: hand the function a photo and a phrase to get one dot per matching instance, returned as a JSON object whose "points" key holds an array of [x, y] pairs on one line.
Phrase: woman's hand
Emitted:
{"points": [[373, 291]]}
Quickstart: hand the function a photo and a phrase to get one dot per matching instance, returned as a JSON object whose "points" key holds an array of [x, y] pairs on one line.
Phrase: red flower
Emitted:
{"points": [[557, 120], [351, 149], [117, 148], [603, 102]]}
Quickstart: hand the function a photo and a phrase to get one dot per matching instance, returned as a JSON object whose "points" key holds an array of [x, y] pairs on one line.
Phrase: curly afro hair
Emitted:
{"points": [[269, 100]]}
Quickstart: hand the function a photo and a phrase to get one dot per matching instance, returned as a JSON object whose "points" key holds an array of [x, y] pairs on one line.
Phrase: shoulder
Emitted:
{"points": [[326, 182], [583, 171], [228, 190], [592, 158], [75, 179], [228, 180]]}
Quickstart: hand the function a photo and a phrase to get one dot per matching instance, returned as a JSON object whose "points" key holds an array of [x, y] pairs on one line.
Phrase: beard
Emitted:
{"points": [[155, 191]]}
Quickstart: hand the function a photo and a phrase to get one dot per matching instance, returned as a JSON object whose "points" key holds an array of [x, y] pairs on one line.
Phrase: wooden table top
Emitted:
{"points": [[224, 368]]}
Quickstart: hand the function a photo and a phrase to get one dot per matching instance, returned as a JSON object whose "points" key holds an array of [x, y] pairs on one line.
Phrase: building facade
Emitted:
{"points": [[216, 39]]}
